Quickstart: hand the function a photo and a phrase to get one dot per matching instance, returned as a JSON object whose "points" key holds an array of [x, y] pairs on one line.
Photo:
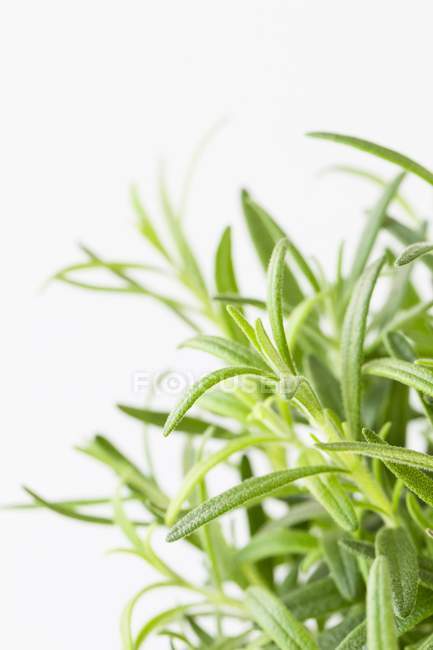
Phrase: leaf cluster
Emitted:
{"points": [[322, 385]]}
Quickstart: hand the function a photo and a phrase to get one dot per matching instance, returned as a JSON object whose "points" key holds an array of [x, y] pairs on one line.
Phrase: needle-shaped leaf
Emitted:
{"points": [[410, 374], [186, 425], [416, 480], [396, 545], [207, 382], [352, 343], [225, 278], [272, 356], [247, 491], [408, 236], [243, 324], [372, 228], [275, 300], [385, 452], [413, 252], [377, 150], [200, 469], [229, 351], [381, 629], [359, 548], [277, 622]]}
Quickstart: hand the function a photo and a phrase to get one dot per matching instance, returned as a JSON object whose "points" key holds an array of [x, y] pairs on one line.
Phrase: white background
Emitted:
{"points": [[94, 95]]}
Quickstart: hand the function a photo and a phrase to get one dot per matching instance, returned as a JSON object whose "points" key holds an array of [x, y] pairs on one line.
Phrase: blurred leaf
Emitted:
{"points": [[190, 268], [128, 284], [325, 384], [343, 567], [295, 323], [265, 233], [315, 599], [233, 299], [186, 425], [414, 479], [275, 619], [372, 228], [67, 510], [376, 180], [275, 543], [330, 638], [145, 225], [161, 619], [126, 618], [377, 150], [224, 404]]}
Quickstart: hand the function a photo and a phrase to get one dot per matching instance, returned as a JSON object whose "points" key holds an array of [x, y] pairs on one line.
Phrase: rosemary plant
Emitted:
{"points": [[323, 391]]}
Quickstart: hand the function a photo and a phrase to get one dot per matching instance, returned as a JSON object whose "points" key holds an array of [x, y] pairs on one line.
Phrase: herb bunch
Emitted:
{"points": [[324, 392]]}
